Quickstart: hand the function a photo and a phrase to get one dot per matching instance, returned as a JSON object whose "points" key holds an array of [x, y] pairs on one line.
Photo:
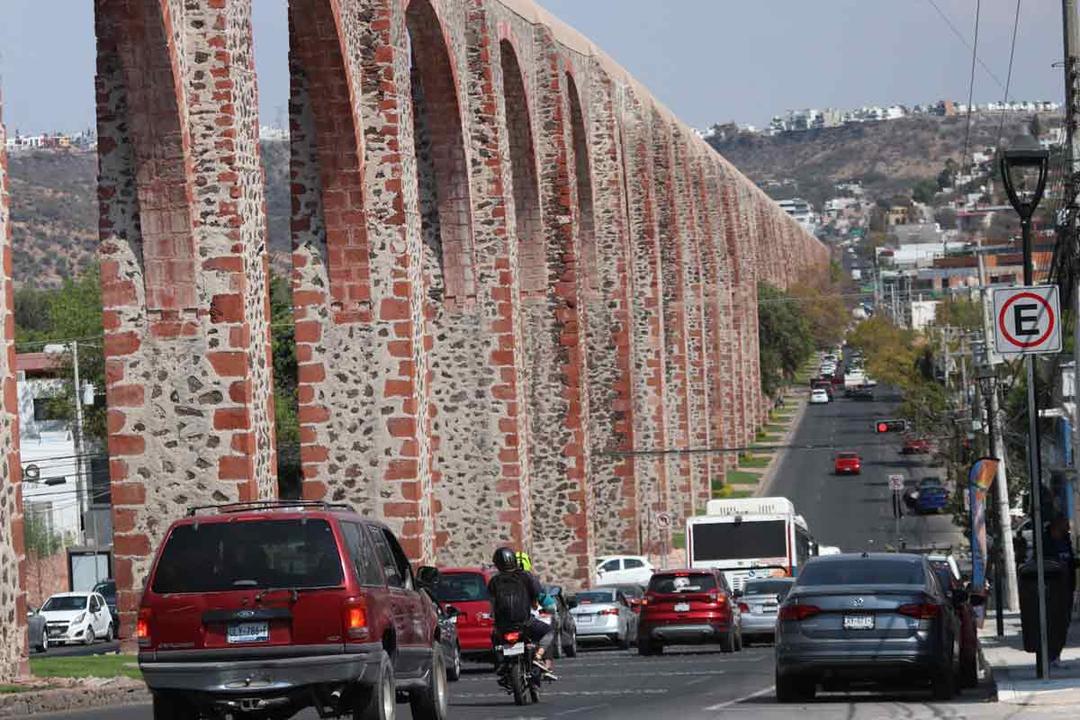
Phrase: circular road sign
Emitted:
{"points": [[1026, 320]]}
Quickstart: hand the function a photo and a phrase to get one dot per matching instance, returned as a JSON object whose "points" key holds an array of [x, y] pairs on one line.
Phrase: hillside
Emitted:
{"points": [[889, 157]]}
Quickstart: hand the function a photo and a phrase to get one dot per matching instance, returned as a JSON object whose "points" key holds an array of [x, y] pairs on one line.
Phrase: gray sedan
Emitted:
{"points": [[759, 601], [35, 627], [870, 618]]}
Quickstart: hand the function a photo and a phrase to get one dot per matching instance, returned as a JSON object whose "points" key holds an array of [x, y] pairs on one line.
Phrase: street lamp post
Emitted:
{"points": [[1023, 171]]}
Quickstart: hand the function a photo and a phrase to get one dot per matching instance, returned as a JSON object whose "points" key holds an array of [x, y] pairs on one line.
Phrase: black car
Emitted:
{"points": [[865, 394], [448, 640], [107, 590], [563, 623]]}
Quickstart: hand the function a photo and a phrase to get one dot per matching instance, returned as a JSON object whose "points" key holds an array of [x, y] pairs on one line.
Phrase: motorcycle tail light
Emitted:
{"points": [[512, 637]]}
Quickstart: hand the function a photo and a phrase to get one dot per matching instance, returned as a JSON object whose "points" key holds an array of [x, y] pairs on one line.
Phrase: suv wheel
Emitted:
{"points": [[727, 643], [432, 701], [379, 702]]}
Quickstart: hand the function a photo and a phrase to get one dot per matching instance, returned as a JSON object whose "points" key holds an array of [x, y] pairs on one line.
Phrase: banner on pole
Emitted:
{"points": [[980, 478]]}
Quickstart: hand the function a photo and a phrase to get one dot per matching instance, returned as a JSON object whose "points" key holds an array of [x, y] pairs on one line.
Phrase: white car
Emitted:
{"points": [[818, 396], [604, 613], [77, 617], [623, 569]]}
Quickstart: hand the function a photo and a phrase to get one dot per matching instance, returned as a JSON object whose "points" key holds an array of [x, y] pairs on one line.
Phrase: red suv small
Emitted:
{"points": [[688, 607], [847, 463], [466, 588], [262, 609], [915, 446]]}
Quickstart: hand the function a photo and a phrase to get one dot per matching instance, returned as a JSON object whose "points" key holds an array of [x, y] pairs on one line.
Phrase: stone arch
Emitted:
{"points": [[441, 166], [583, 175], [531, 259]]}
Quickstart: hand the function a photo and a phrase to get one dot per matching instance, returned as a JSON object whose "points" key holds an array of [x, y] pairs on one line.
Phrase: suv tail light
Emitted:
{"points": [[798, 612], [354, 619], [142, 627], [920, 611]]}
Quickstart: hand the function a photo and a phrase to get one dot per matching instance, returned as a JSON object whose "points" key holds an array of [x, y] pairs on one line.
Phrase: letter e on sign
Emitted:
{"points": [[1027, 320]]}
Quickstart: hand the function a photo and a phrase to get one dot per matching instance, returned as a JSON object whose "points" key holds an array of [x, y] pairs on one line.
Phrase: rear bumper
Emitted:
{"points": [[225, 678], [606, 627], [758, 624], [685, 633], [889, 662]]}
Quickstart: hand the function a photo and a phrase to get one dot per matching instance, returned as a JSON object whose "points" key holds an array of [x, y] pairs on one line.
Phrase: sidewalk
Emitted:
{"points": [[1014, 670]]}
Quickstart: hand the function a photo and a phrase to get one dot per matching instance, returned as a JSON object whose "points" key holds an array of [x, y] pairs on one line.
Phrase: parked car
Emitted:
{"points": [[563, 621], [963, 604], [688, 607], [915, 446], [623, 569], [266, 608], [759, 602], [37, 637], [818, 396], [604, 614], [634, 594], [448, 642], [847, 463], [931, 497], [107, 590], [871, 617], [76, 617], [466, 590]]}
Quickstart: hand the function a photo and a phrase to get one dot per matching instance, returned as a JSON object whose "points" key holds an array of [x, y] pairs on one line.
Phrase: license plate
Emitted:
{"points": [[513, 650], [682, 607], [858, 622], [584, 618], [55, 632], [248, 632]]}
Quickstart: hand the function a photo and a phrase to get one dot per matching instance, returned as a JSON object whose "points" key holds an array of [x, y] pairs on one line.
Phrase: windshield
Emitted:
{"points": [[596, 596], [862, 571], [215, 557], [461, 587], [672, 583], [67, 602], [739, 540], [847, 456], [768, 587]]}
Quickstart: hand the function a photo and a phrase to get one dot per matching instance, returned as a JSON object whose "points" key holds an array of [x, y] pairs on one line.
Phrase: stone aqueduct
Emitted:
{"points": [[512, 269]]}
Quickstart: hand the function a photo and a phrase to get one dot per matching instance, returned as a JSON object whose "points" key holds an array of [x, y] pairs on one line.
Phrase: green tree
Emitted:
{"points": [[783, 335], [286, 407], [40, 540], [924, 191]]}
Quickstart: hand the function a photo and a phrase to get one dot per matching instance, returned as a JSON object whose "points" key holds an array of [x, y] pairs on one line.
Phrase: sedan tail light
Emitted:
{"points": [[798, 612], [920, 611], [743, 607], [609, 611]]}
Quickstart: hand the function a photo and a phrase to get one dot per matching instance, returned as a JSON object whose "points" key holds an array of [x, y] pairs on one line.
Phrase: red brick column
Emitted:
{"points": [[183, 270], [13, 646]]}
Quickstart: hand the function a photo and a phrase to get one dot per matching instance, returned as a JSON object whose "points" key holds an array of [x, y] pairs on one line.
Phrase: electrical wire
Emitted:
{"points": [[965, 159], [1008, 76], [964, 40]]}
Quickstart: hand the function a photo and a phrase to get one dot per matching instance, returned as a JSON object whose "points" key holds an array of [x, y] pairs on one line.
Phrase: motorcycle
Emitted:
{"points": [[514, 667]]}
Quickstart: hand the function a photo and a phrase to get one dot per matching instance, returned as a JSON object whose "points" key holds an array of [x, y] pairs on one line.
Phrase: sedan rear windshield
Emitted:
{"points": [[768, 587], [862, 571], [596, 596], [461, 587], [66, 602], [671, 583], [216, 557]]}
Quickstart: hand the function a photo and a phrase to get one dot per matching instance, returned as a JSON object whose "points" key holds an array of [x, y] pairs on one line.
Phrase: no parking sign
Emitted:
{"points": [[1027, 320]]}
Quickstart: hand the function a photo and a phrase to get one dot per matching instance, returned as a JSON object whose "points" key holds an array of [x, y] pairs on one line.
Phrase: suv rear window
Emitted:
{"points": [[673, 583], [862, 571], [221, 556], [461, 587]]}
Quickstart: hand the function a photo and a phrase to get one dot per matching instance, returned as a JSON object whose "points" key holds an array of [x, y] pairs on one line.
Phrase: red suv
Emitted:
{"points": [[262, 609], [847, 463], [688, 607], [466, 589]]}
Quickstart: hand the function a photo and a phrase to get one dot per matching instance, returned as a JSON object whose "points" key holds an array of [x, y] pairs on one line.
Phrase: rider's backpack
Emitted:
{"points": [[511, 599]]}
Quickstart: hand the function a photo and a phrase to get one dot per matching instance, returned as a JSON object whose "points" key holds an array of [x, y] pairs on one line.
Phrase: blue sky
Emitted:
{"points": [[708, 60]]}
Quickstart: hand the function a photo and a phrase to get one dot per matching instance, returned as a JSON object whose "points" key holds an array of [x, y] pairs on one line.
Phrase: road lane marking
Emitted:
{"points": [[586, 708], [572, 693], [736, 701], [661, 673]]}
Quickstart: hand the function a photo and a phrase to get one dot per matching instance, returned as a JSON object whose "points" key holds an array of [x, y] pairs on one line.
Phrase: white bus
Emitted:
{"points": [[748, 538]]}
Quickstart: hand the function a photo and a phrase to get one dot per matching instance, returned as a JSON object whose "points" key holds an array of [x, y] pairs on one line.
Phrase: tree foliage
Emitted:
{"points": [[784, 337]]}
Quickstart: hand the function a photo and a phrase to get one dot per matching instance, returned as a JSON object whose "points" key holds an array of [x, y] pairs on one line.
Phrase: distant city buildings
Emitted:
{"points": [[84, 141], [802, 211]]}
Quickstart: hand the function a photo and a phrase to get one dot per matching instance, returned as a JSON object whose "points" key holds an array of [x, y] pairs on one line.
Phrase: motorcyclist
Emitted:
{"points": [[514, 594]]}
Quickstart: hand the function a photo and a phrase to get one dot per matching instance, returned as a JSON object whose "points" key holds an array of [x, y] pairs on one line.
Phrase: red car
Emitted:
{"points": [[915, 446], [271, 607], [688, 607], [466, 588], [847, 463]]}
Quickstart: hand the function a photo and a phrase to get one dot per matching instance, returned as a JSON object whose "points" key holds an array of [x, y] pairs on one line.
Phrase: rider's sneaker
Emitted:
{"points": [[544, 671]]}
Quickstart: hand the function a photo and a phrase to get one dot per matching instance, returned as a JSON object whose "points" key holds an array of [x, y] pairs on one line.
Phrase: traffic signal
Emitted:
{"points": [[885, 426]]}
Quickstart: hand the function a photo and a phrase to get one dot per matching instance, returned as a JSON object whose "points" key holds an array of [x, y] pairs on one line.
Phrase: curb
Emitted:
{"points": [[105, 693], [770, 470]]}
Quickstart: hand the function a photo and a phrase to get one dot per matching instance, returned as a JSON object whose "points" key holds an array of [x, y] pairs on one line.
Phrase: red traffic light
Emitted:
{"points": [[883, 427]]}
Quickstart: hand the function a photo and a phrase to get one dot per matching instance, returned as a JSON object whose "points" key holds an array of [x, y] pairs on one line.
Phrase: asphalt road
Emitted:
{"points": [[98, 648]]}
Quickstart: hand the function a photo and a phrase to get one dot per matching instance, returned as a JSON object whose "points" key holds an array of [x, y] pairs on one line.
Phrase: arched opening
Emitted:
{"points": [[442, 173], [586, 228], [531, 258]]}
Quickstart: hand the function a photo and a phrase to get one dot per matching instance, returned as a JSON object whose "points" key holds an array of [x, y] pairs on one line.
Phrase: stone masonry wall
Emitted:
{"points": [[13, 647], [183, 269]]}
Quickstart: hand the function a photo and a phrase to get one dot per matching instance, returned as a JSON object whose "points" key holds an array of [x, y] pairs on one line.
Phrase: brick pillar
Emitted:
{"points": [[555, 333], [647, 341], [13, 647], [183, 270], [732, 238], [673, 261], [607, 302], [358, 287]]}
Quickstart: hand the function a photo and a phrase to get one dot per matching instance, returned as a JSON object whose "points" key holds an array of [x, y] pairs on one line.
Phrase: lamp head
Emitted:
{"points": [[1024, 166]]}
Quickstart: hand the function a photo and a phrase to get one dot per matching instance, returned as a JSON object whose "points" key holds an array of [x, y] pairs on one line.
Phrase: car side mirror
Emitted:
{"points": [[427, 576]]}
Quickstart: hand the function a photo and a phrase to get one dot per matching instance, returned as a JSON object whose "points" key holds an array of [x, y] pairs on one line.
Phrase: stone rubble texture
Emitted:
{"points": [[519, 282]]}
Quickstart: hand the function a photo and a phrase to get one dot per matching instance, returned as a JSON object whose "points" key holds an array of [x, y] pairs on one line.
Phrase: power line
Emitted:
{"points": [[1008, 76], [965, 41], [965, 159]]}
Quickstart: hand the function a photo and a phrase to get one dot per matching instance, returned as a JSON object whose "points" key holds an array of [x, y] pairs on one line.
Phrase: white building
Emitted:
{"points": [[801, 210]]}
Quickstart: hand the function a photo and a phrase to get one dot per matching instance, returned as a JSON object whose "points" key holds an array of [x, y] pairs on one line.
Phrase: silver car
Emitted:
{"points": [[870, 618], [759, 601], [604, 613]]}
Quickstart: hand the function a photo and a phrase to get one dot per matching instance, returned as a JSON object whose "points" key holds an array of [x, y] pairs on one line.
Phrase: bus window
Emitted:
{"points": [[803, 547]]}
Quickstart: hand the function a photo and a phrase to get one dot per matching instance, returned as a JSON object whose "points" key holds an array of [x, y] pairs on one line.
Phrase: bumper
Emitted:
{"points": [[897, 660], [758, 624], [593, 629], [686, 633], [261, 676], [73, 634]]}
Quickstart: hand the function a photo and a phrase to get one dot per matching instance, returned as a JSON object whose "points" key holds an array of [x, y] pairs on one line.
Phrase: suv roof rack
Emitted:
{"points": [[248, 505]]}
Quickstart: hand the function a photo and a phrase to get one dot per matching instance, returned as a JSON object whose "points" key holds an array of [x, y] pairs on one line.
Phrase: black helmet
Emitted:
{"points": [[505, 559]]}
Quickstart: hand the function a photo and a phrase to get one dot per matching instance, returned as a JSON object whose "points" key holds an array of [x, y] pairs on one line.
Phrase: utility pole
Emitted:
{"points": [[80, 484], [1072, 186]]}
